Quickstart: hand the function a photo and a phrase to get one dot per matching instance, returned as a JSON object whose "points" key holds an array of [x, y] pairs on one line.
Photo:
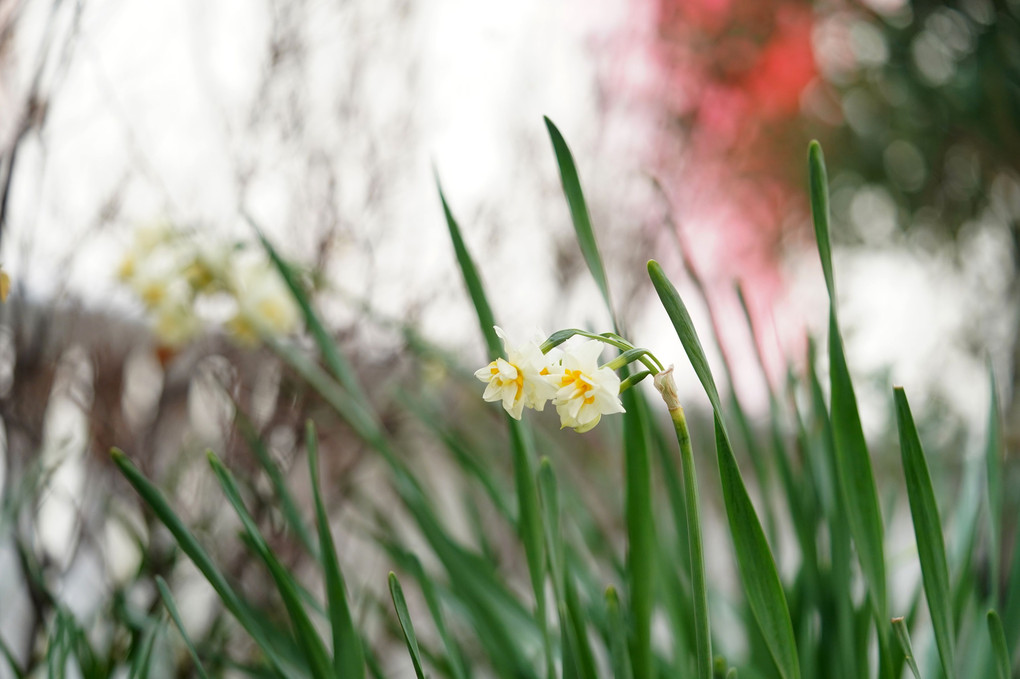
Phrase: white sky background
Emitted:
{"points": [[158, 109]]}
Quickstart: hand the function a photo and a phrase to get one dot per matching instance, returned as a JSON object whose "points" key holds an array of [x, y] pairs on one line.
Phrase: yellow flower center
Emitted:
{"points": [[519, 380], [581, 388]]}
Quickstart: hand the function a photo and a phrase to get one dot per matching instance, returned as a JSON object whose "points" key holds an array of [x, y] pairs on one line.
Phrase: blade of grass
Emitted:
{"points": [[904, 638], [840, 623], [578, 619], [454, 656], [1011, 611], [755, 562], [470, 458], [400, 604], [579, 212], [305, 633], [285, 659], [12, 662], [529, 513], [58, 650], [472, 280], [576, 655], [928, 533], [288, 507], [142, 656], [530, 527], [641, 538], [856, 477], [994, 474], [337, 363], [549, 498], [999, 646], [171, 607], [503, 625], [348, 656], [618, 657]]}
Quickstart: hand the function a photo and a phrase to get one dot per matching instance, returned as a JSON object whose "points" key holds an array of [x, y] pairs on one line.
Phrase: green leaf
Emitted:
{"points": [[338, 364], [757, 567], [928, 532], [641, 540], [578, 630], [529, 513], [453, 653], [285, 659], [288, 507], [171, 607], [904, 638], [400, 604], [618, 657], [473, 281], [140, 666], [856, 479], [1011, 611], [818, 183], [348, 656], [994, 474], [999, 646], [11, 660], [549, 496], [307, 637], [530, 524], [579, 211]]}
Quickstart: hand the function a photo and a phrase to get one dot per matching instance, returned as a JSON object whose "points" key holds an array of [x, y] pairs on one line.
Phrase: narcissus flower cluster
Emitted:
{"points": [[536, 372], [178, 277]]}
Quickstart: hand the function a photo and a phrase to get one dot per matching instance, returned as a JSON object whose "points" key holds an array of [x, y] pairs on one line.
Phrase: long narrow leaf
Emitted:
{"points": [[305, 633], [338, 364], [999, 647], [171, 607], [455, 658], [348, 656], [619, 659], [755, 562], [400, 604], [579, 211], [928, 533], [12, 662], [530, 526], [529, 513], [857, 480], [143, 653], [900, 628], [288, 506], [285, 659], [472, 280], [994, 475], [641, 545]]}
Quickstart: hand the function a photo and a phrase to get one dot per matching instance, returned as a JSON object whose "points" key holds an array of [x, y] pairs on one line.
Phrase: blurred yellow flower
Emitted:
{"points": [[265, 306], [175, 322]]}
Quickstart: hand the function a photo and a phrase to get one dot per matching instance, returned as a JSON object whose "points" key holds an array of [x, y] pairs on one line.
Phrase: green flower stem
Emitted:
{"points": [[613, 340], [702, 631]]}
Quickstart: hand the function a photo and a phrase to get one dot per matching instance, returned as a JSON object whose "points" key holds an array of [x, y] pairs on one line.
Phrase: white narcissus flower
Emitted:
{"points": [[521, 379], [585, 392]]}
